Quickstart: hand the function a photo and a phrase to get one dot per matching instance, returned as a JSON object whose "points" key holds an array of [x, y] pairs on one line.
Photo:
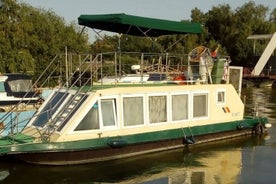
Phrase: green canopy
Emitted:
{"points": [[137, 26]]}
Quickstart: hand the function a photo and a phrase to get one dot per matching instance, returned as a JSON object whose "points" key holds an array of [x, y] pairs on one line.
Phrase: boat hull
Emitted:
{"points": [[116, 147], [69, 157]]}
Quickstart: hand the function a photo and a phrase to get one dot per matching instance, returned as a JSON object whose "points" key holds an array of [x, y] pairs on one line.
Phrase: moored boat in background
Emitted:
{"points": [[18, 102], [15, 89]]}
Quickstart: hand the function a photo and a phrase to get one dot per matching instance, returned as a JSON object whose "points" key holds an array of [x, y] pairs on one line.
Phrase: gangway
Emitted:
{"points": [[266, 54]]}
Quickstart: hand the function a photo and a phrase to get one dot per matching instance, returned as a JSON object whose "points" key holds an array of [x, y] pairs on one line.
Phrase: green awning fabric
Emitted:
{"points": [[136, 25]]}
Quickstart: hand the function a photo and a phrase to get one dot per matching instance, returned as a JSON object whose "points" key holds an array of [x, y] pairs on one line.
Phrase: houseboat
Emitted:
{"points": [[117, 119]]}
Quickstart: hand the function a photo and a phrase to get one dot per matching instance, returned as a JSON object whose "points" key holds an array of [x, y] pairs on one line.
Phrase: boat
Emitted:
{"points": [[19, 100], [15, 89], [105, 120]]}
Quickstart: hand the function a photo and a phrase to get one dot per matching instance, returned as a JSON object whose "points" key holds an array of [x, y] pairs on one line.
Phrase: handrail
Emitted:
{"points": [[167, 63]]}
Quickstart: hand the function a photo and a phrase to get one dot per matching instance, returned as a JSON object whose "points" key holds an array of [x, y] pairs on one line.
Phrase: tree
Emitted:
{"points": [[272, 17], [31, 37], [231, 28]]}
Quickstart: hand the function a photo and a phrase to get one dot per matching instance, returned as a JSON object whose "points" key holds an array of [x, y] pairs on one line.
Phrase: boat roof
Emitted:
{"points": [[137, 25], [15, 76]]}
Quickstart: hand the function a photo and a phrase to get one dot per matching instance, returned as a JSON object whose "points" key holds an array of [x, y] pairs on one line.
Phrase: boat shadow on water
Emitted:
{"points": [[194, 164]]}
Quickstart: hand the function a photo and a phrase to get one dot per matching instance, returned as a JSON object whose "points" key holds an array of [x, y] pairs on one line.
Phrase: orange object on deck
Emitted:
{"points": [[181, 79]]}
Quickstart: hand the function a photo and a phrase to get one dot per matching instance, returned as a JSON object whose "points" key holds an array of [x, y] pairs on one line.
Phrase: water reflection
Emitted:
{"points": [[211, 163], [241, 160], [261, 98], [258, 160]]}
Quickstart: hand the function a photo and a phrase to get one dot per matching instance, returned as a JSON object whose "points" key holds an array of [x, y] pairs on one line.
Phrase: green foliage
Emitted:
{"points": [[272, 17], [30, 38], [231, 28]]}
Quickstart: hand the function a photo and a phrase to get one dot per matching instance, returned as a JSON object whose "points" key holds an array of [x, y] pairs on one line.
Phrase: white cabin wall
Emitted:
{"points": [[215, 114], [232, 102]]}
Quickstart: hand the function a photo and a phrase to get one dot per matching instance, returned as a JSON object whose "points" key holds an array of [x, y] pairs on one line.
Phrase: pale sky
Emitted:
{"points": [[176, 10]]}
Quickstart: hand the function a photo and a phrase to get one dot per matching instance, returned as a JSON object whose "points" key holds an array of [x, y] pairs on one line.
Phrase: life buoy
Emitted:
{"points": [[258, 129]]}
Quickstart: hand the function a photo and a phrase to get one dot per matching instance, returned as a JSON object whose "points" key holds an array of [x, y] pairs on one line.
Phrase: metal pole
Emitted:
{"points": [[120, 55], [115, 62], [66, 67], [91, 69], [80, 74], [142, 67]]}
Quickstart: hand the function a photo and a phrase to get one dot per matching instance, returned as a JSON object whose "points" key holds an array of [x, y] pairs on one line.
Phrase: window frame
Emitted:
{"points": [[89, 130], [144, 111], [115, 113], [188, 106], [223, 102], [198, 93], [167, 108], [45, 109]]}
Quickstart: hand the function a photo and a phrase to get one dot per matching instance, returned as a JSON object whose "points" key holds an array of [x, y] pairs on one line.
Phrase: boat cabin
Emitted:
{"points": [[67, 116]]}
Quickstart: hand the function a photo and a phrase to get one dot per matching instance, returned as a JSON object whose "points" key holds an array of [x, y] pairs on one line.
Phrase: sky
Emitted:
{"points": [[176, 10]]}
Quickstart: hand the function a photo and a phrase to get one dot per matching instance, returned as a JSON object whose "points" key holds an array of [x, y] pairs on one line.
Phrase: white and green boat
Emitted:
{"points": [[105, 121]]}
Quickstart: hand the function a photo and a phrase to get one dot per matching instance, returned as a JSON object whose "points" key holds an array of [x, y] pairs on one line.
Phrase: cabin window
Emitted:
{"points": [[2, 87], [179, 107], [108, 110], [20, 85], [221, 97], [133, 111], [70, 108], [91, 120], [200, 105], [157, 109], [50, 108]]}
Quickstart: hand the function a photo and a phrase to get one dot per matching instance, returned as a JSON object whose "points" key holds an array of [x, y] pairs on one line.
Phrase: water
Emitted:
{"points": [[240, 160]]}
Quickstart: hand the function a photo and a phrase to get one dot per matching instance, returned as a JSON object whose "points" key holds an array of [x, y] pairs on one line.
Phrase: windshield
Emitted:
{"points": [[50, 108], [21, 85]]}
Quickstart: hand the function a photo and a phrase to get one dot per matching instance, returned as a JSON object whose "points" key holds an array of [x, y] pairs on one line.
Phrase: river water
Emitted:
{"points": [[241, 160]]}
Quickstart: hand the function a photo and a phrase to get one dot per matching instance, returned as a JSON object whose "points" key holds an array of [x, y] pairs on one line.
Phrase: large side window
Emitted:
{"points": [[133, 111], [180, 107], [108, 110], [200, 105], [157, 109], [91, 120]]}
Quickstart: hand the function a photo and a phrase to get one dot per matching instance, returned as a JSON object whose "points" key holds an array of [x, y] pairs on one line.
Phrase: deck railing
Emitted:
{"points": [[89, 71]]}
